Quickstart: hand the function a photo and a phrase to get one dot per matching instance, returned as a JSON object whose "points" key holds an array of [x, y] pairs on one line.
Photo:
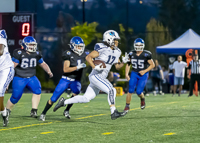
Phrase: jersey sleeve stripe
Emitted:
{"points": [[15, 60], [40, 61], [98, 49]]}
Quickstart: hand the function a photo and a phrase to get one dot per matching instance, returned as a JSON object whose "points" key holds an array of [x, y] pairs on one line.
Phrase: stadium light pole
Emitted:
{"points": [[83, 5], [127, 20]]}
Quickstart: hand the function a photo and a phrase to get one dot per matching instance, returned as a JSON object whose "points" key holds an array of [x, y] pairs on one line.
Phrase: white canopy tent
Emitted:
{"points": [[188, 40]]}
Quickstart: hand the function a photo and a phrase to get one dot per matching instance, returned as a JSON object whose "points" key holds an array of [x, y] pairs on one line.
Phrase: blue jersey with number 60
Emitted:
{"points": [[27, 62], [139, 62]]}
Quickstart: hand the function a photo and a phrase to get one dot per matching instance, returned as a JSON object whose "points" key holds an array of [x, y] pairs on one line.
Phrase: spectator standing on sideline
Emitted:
{"points": [[157, 78], [165, 73], [179, 74], [195, 73], [171, 74]]}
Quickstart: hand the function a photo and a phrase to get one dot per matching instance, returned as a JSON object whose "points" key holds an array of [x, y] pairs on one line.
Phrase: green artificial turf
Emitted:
{"points": [[177, 116]]}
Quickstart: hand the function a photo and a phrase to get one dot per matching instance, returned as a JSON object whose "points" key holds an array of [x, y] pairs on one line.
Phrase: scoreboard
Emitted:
{"points": [[17, 26]]}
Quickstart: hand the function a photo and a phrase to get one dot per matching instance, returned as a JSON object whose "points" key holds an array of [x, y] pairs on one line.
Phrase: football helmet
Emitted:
{"points": [[172, 59], [3, 38], [77, 45], [109, 37], [29, 44], [139, 44]]}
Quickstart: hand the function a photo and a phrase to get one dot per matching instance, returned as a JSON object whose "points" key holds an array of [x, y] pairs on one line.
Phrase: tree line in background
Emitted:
{"points": [[157, 25]]}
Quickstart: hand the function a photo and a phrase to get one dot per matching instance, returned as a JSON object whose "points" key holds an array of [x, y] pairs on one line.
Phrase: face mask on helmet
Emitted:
{"points": [[29, 44], [172, 59], [77, 45], [110, 36], [139, 44]]}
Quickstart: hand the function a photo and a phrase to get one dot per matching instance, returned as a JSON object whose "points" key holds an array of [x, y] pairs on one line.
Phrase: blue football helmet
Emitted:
{"points": [[77, 45], [139, 44], [29, 44]]}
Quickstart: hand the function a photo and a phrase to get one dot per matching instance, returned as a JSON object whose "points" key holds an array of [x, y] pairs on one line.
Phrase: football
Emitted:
{"points": [[97, 62]]}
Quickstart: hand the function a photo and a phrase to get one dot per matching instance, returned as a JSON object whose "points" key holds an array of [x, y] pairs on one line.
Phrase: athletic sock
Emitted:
{"points": [[3, 112], [112, 109], [34, 110], [127, 104], [47, 107], [142, 99], [69, 105]]}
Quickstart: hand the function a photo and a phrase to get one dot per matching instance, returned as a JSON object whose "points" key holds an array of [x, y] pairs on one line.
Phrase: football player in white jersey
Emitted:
{"points": [[6, 73], [109, 53]]}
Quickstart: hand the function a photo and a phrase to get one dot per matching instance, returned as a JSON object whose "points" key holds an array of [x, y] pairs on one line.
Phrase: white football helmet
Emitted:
{"points": [[139, 44], [3, 38], [172, 59], [109, 37]]}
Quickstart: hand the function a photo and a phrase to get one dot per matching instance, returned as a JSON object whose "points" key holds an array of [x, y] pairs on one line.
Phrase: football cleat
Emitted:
{"points": [[117, 114], [66, 114], [59, 104], [126, 109], [9, 112], [154, 93], [5, 119], [33, 114], [42, 117], [142, 104], [161, 93]]}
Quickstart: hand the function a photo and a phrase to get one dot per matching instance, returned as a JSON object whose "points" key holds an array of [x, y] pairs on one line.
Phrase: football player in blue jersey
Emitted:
{"points": [[73, 64], [25, 61], [142, 63]]}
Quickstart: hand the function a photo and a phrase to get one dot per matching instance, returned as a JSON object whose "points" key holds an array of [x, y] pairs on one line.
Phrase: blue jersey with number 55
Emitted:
{"points": [[27, 62]]}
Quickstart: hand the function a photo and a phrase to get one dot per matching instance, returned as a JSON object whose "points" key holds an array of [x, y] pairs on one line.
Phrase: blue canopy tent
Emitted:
{"points": [[188, 40]]}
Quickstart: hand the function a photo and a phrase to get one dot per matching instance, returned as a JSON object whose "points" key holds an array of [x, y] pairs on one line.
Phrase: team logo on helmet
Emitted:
{"points": [[3, 34], [77, 45]]}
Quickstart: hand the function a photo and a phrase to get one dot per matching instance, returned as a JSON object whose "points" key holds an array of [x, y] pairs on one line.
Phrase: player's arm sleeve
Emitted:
{"points": [[149, 57], [40, 59], [65, 56], [16, 56], [99, 49]]}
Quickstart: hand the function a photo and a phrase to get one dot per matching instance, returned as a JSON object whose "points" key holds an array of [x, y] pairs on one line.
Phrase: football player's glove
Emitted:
{"points": [[139, 44], [82, 65], [29, 44], [126, 58], [99, 67], [77, 45]]}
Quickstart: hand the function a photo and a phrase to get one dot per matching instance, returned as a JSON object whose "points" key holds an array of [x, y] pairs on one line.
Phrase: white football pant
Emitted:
{"points": [[97, 83], [6, 77]]}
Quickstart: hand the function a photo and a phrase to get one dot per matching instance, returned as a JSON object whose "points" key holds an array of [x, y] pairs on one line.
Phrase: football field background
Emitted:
{"points": [[165, 119]]}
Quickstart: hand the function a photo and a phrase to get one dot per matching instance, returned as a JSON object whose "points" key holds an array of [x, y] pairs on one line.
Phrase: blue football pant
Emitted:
{"points": [[18, 85], [63, 85], [137, 80]]}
